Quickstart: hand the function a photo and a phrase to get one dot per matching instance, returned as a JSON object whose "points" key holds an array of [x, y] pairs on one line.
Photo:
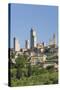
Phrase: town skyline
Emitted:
{"points": [[28, 43], [44, 19]]}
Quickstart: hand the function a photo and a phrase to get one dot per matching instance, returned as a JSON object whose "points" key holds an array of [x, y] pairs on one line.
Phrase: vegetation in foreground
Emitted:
{"points": [[23, 74]]}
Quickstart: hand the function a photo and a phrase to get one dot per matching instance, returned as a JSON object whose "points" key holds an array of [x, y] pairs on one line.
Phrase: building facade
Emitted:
{"points": [[16, 45], [27, 44], [52, 42], [33, 38]]}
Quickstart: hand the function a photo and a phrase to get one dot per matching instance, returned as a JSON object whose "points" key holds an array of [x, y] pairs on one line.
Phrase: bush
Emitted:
{"points": [[13, 73], [50, 67]]}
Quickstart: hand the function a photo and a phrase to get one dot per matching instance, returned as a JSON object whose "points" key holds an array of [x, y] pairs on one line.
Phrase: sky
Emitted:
{"points": [[44, 19]]}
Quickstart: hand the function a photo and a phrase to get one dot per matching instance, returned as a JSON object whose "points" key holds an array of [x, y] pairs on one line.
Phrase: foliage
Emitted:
{"points": [[42, 79], [13, 73], [12, 55], [20, 64], [20, 61], [38, 77], [24, 74], [29, 70]]}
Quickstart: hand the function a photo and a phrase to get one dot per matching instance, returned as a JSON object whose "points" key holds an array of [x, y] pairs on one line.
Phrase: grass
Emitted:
{"points": [[47, 77]]}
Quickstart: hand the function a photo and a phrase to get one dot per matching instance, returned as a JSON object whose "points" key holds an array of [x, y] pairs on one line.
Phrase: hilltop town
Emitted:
{"points": [[35, 60], [36, 52]]}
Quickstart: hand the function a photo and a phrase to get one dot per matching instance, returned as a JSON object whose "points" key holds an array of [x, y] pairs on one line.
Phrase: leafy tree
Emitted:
{"points": [[20, 61], [20, 64]]}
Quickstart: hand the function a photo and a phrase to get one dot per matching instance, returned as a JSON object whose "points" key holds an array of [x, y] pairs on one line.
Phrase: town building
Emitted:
{"points": [[38, 59], [27, 44], [52, 41], [16, 45], [33, 38]]}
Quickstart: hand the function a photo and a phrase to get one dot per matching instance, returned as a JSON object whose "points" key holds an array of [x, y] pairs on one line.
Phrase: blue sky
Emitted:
{"points": [[44, 19]]}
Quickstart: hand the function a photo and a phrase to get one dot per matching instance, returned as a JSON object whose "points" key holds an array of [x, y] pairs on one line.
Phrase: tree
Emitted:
{"points": [[29, 70], [20, 64]]}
